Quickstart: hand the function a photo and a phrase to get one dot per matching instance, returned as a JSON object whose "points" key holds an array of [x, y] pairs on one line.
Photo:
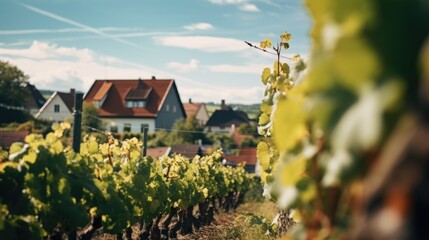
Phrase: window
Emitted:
{"points": [[114, 129], [167, 108], [127, 127], [56, 108], [174, 109], [135, 104], [143, 126]]}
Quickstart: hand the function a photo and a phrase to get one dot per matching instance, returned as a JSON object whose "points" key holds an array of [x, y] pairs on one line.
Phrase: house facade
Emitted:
{"points": [[132, 105], [197, 110], [226, 120], [58, 107]]}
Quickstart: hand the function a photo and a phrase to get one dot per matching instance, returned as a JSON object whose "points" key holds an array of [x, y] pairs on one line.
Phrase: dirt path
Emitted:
{"points": [[213, 231]]}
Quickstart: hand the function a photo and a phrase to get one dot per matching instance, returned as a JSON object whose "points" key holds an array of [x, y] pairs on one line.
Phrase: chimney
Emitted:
{"points": [[190, 100], [153, 78], [223, 105]]}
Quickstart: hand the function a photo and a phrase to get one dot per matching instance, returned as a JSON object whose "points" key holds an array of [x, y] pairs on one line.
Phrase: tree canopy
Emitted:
{"points": [[13, 92]]}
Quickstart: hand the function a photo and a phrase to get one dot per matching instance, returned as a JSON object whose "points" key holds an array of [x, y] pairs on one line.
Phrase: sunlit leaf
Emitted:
{"points": [[263, 155], [289, 122]]}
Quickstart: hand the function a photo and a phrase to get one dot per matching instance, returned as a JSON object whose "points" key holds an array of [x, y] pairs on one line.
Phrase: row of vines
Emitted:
{"points": [[346, 149], [48, 191]]}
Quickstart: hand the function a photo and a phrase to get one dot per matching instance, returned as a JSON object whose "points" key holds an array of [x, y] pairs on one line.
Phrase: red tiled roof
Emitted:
{"points": [[8, 137], [187, 150], [103, 91], [114, 105], [157, 152], [191, 109], [247, 155]]}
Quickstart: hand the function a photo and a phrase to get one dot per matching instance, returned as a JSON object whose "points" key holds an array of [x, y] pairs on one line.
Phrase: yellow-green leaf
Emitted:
{"points": [[263, 152], [292, 171], [264, 119], [266, 108], [265, 75], [286, 37], [289, 122]]}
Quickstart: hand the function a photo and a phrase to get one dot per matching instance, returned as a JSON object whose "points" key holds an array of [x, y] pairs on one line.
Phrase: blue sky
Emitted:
{"points": [[63, 44]]}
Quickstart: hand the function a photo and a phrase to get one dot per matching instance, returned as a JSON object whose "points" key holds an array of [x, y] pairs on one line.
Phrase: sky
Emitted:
{"points": [[63, 44]]}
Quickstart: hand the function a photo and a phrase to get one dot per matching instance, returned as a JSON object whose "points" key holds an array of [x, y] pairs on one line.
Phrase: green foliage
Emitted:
{"points": [[184, 131], [44, 185], [90, 117], [247, 129], [220, 141], [330, 126], [13, 92]]}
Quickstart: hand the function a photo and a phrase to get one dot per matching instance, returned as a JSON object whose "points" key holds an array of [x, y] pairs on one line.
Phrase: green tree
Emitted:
{"points": [[12, 93], [247, 129], [90, 117], [184, 131], [221, 140]]}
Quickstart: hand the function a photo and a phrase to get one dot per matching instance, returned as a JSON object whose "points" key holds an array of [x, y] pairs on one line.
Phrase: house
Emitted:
{"points": [[247, 156], [187, 150], [197, 110], [58, 107], [225, 120], [132, 105], [35, 101], [157, 152]]}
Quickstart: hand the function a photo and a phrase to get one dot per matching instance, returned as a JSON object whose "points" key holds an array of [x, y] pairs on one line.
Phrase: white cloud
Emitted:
{"points": [[41, 50], [231, 95], [60, 68], [204, 43], [249, 8], [243, 5], [199, 26], [184, 67]]}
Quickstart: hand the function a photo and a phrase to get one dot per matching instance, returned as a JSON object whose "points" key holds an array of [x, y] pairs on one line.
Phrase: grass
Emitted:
{"points": [[251, 221]]}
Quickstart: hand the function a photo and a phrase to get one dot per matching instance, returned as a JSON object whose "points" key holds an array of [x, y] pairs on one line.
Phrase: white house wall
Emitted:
{"points": [[202, 115], [135, 124], [217, 129], [48, 111]]}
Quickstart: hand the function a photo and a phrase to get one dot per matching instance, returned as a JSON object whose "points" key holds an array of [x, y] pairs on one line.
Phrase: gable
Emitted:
{"points": [[48, 110], [153, 92]]}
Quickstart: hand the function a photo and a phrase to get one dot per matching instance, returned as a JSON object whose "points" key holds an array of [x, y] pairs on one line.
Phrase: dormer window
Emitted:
{"points": [[135, 104], [137, 97]]}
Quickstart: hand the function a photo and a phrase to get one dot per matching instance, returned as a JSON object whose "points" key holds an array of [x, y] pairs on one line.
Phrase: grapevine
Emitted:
{"points": [[48, 190], [334, 129]]}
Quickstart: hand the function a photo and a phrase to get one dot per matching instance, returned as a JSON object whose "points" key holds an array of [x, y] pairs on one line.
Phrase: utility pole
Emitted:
{"points": [[144, 141], [77, 128]]}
